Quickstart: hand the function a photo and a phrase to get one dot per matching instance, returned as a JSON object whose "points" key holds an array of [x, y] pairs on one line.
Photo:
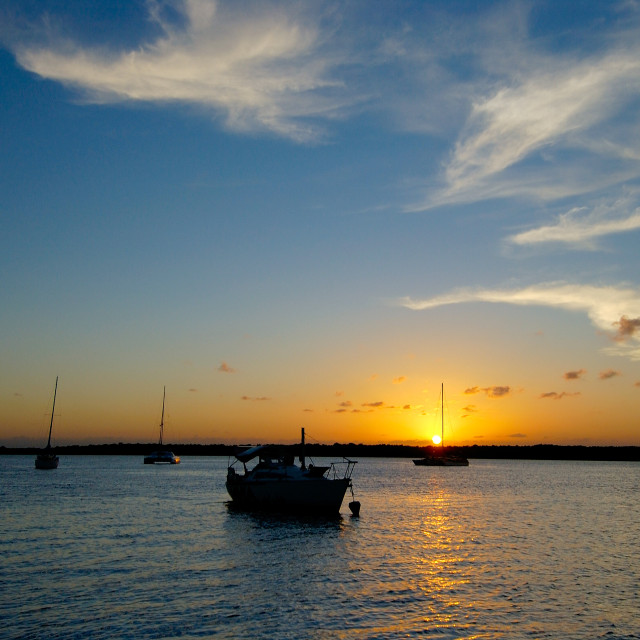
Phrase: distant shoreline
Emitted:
{"points": [[499, 452]]}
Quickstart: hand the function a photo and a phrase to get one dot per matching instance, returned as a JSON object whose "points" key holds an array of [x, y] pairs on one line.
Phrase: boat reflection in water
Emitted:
{"points": [[277, 484]]}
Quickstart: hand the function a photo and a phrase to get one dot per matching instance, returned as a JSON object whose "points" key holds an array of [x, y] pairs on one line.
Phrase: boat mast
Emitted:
{"points": [[164, 392], [52, 411], [442, 413]]}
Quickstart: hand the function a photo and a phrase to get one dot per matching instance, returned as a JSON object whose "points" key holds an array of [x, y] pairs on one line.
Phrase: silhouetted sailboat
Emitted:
{"points": [[47, 459], [441, 459], [162, 456]]}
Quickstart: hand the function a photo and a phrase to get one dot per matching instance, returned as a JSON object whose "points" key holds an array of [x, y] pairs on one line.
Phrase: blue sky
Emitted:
{"points": [[313, 213]]}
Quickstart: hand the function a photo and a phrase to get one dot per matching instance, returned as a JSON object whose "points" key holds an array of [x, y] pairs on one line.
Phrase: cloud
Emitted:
{"points": [[252, 399], [574, 375], [261, 69], [225, 368], [498, 392], [608, 374], [553, 395], [517, 435], [399, 379], [606, 306], [375, 405], [580, 229], [491, 392], [346, 403], [192, 390], [626, 328], [539, 111], [468, 410]]}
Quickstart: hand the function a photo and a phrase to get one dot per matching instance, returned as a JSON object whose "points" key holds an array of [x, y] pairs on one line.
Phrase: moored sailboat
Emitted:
{"points": [[162, 456], [440, 458], [47, 459]]}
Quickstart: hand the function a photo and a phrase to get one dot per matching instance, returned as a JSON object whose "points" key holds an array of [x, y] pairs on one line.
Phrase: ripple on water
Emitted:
{"points": [[108, 548]]}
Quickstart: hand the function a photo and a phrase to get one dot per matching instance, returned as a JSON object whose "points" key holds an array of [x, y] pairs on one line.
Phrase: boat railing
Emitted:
{"points": [[342, 469]]}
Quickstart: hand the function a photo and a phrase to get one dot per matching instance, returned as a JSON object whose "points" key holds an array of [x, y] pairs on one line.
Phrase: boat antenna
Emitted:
{"points": [[303, 465], [164, 392], [55, 391]]}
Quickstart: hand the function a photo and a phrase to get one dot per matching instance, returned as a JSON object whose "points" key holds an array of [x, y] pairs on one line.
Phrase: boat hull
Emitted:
{"points": [[162, 458], [309, 495], [441, 462], [47, 461]]}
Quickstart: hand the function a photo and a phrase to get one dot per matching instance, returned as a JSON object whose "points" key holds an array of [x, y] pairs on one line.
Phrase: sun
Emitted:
{"points": [[436, 439]]}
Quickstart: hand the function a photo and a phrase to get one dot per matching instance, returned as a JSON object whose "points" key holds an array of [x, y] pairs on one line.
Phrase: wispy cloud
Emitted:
{"points": [[608, 374], [399, 379], [608, 308], [255, 399], [261, 69], [581, 229], [225, 368], [553, 395], [534, 117], [491, 392]]}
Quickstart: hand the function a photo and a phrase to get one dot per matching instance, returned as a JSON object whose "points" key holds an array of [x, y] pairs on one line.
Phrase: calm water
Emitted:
{"points": [[106, 547]]}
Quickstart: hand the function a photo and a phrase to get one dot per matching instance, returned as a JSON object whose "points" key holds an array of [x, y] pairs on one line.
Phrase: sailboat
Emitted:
{"points": [[47, 459], [441, 459], [162, 456]]}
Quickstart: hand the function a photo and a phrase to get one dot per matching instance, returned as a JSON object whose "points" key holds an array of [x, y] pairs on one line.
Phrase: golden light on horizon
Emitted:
{"points": [[436, 439]]}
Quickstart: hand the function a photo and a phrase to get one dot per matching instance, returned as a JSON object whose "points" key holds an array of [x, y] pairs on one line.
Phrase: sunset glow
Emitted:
{"points": [[313, 215]]}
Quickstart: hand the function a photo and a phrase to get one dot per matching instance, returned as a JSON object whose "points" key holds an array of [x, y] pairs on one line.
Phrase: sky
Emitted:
{"points": [[314, 214]]}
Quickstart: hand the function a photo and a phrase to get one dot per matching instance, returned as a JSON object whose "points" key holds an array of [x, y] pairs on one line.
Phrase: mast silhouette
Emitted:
{"points": [[55, 391], [164, 393]]}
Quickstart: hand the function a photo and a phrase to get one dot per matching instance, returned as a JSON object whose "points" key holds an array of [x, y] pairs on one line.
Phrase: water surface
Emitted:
{"points": [[106, 547]]}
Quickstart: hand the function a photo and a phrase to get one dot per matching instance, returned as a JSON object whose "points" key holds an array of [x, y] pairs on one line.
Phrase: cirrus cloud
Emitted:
{"points": [[561, 107], [582, 229], [606, 307], [261, 69]]}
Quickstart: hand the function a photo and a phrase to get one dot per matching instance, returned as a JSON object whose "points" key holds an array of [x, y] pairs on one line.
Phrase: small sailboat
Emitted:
{"points": [[440, 458], [162, 456], [47, 459]]}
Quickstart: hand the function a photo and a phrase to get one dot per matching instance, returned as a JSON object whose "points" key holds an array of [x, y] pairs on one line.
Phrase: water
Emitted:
{"points": [[106, 547]]}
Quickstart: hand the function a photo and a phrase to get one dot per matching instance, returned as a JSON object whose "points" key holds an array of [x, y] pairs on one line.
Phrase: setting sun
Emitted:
{"points": [[436, 439]]}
